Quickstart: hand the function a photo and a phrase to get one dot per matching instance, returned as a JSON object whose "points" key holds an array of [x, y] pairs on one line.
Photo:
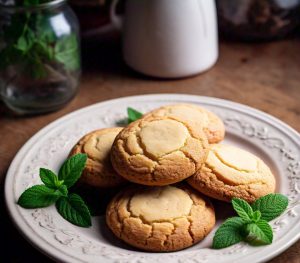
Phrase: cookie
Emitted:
{"points": [[161, 218], [158, 151], [98, 171], [231, 172], [197, 117]]}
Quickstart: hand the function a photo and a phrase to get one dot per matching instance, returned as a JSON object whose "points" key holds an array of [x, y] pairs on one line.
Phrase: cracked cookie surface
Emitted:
{"points": [[98, 171], [161, 218], [196, 116], [158, 151], [231, 172]]}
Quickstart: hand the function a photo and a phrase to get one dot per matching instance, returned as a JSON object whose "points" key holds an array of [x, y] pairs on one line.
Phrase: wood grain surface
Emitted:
{"points": [[264, 76]]}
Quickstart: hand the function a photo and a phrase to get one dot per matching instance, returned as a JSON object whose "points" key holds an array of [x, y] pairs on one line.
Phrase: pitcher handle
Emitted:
{"points": [[117, 20]]}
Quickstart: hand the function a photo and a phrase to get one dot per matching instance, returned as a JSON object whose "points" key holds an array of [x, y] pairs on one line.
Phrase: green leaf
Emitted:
{"points": [[63, 189], [25, 41], [49, 178], [38, 196], [256, 216], [229, 233], [133, 115], [74, 210], [44, 50], [243, 209], [22, 44], [66, 51], [259, 233], [72, 168], [44, 29], [271, 206]]}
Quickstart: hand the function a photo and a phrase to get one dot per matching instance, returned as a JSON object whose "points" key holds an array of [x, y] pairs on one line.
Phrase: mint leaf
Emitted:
{"points": [[271, 206], [72, 168], [229, 233], [25, 41], [256, 216], [66, 51], [44, 30], [63, 189], [74, 210], [38, 196], [22, 44], [243, 209], [259, 233], [133, 115], [49, 178]]}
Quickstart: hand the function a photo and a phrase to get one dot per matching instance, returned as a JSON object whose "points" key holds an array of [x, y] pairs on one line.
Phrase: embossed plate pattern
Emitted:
{"points": [[266, 136]]}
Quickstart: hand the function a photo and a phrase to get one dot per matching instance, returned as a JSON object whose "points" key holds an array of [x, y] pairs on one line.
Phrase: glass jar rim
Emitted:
{"points": [[50, 4]]}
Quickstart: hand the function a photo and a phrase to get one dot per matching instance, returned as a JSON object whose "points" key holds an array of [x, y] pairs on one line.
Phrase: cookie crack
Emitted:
{"points": [[153, 157], [143, 147], [190, 230], [159, 159], [144, 153], [188, 157], [218, 175], [232, 166], [167, 237]]}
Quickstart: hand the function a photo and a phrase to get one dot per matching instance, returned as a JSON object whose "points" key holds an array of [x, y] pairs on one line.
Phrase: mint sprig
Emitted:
{"points": [[133, 115], [251, 225], [55, 191]]}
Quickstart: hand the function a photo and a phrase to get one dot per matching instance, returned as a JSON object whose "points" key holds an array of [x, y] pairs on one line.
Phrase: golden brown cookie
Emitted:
{"points": [[98, 171], [231, 172], [196, 116], [162, 218], [158, 151]]}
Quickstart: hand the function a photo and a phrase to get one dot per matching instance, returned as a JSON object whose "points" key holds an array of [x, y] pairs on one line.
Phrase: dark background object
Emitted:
{"points": [[91, 14], [252, 20]]}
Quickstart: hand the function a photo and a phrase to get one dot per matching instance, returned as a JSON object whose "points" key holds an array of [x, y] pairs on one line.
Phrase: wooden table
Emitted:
{"points": [[265, 76]]}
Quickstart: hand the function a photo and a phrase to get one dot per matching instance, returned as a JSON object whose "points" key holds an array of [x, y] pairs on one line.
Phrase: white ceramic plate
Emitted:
{"points": [[275, 142]]}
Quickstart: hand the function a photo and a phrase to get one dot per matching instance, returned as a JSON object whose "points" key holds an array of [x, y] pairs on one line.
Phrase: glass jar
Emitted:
{"points": [[39, 56], [258, 19]]}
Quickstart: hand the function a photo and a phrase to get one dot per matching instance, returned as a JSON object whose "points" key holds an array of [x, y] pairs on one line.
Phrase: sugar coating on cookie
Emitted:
{"points": [[161, 218], [158, 151], [196, 116], [98, 171], [231, 172]]}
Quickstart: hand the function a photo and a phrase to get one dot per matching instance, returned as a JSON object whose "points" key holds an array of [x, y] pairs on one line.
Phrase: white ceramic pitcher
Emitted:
{"points": [[168, 38]]}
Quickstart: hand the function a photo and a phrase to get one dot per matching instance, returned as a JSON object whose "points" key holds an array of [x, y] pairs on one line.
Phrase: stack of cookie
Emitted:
{"points": [[166, 146]]}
